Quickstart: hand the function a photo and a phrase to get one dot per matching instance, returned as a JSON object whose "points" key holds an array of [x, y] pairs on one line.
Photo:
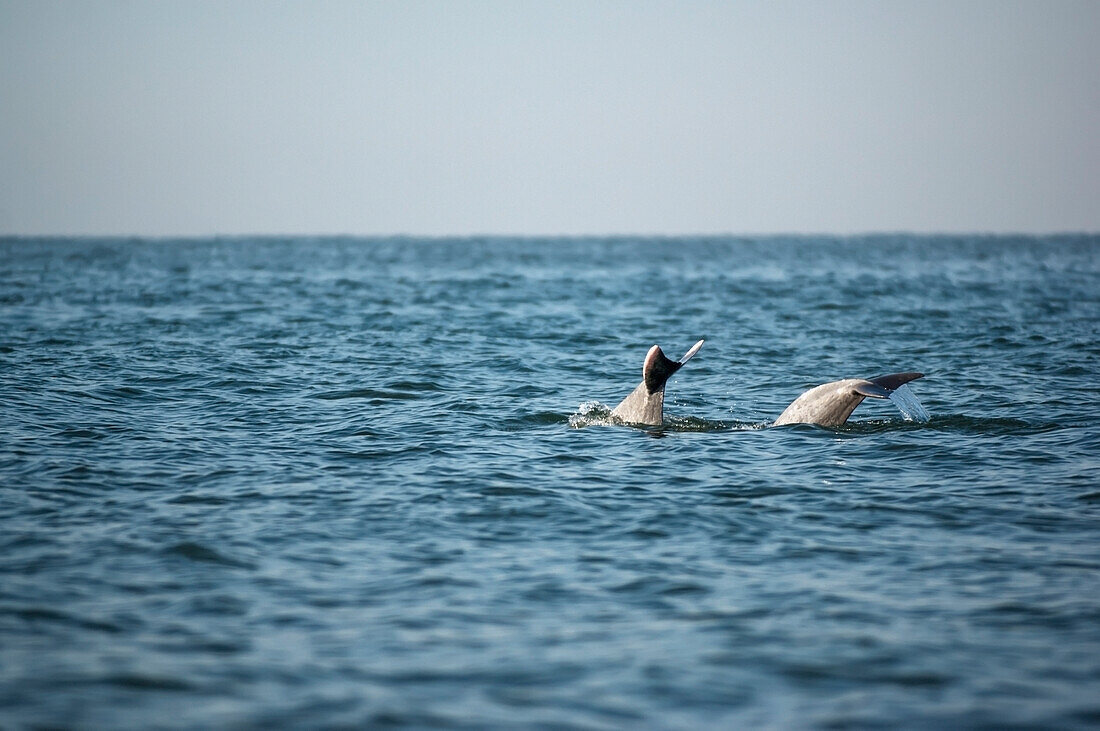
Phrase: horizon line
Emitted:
{"points": [[988, 233]]}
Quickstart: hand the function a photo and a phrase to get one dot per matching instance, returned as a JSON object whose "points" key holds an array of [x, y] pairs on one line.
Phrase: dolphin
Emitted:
{"points": [[645, 404], [831, 404]]}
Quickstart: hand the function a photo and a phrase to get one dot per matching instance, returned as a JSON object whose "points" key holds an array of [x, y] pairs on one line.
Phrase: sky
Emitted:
{"points": [[543, 118]]}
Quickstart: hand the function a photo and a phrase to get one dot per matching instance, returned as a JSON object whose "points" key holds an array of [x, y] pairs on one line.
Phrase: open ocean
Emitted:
{"points": [[340, 482]]}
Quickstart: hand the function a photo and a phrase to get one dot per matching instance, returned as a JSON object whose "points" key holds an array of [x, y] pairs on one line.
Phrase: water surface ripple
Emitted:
{"points": [[345, 482]]}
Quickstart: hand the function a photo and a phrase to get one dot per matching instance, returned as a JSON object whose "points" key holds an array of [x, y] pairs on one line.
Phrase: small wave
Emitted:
{"points": [[51, 614], [540, 418], [368, 393], [363, 394], [196, 498], [990, 426], [403, 390], [204, 554], [143, 681], [79, 433]]}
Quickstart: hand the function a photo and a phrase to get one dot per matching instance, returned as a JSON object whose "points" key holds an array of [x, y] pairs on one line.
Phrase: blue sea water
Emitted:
{"points": [[350, 482]]}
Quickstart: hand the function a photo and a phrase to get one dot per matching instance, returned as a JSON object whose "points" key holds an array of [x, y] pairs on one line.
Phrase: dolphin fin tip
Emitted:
{"points": [[691, 351]]}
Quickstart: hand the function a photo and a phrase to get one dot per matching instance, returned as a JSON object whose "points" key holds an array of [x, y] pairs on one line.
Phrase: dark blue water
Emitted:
{"points": [[334, 482]]}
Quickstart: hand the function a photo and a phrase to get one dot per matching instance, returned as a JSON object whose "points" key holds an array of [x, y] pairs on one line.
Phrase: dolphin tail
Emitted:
{"points": [[645, 404], [831, 404]]}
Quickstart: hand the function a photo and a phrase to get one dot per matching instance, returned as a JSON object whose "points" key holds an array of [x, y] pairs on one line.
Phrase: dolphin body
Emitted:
{"points": [[646, 403], [831, 404]]}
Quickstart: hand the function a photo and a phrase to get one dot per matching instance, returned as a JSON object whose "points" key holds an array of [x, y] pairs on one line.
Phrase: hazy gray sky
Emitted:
{"points": [[552, 117]]}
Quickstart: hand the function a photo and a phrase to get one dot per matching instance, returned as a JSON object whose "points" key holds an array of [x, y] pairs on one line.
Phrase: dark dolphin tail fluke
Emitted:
{"points": [[894, 381], [645, 404], [658, 369], [883, 386]]}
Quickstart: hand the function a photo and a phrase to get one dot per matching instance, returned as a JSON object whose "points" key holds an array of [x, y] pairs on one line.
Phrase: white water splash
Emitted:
{"points": [[909, 405], [591, 413]]}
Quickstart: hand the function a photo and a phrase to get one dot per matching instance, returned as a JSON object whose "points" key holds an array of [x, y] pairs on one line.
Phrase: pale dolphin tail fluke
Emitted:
{"points": [[645, 404], [832, 403]]}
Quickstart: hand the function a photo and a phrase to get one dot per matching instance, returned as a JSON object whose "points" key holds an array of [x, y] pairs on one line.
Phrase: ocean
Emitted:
{"points": [[346, 482]]}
